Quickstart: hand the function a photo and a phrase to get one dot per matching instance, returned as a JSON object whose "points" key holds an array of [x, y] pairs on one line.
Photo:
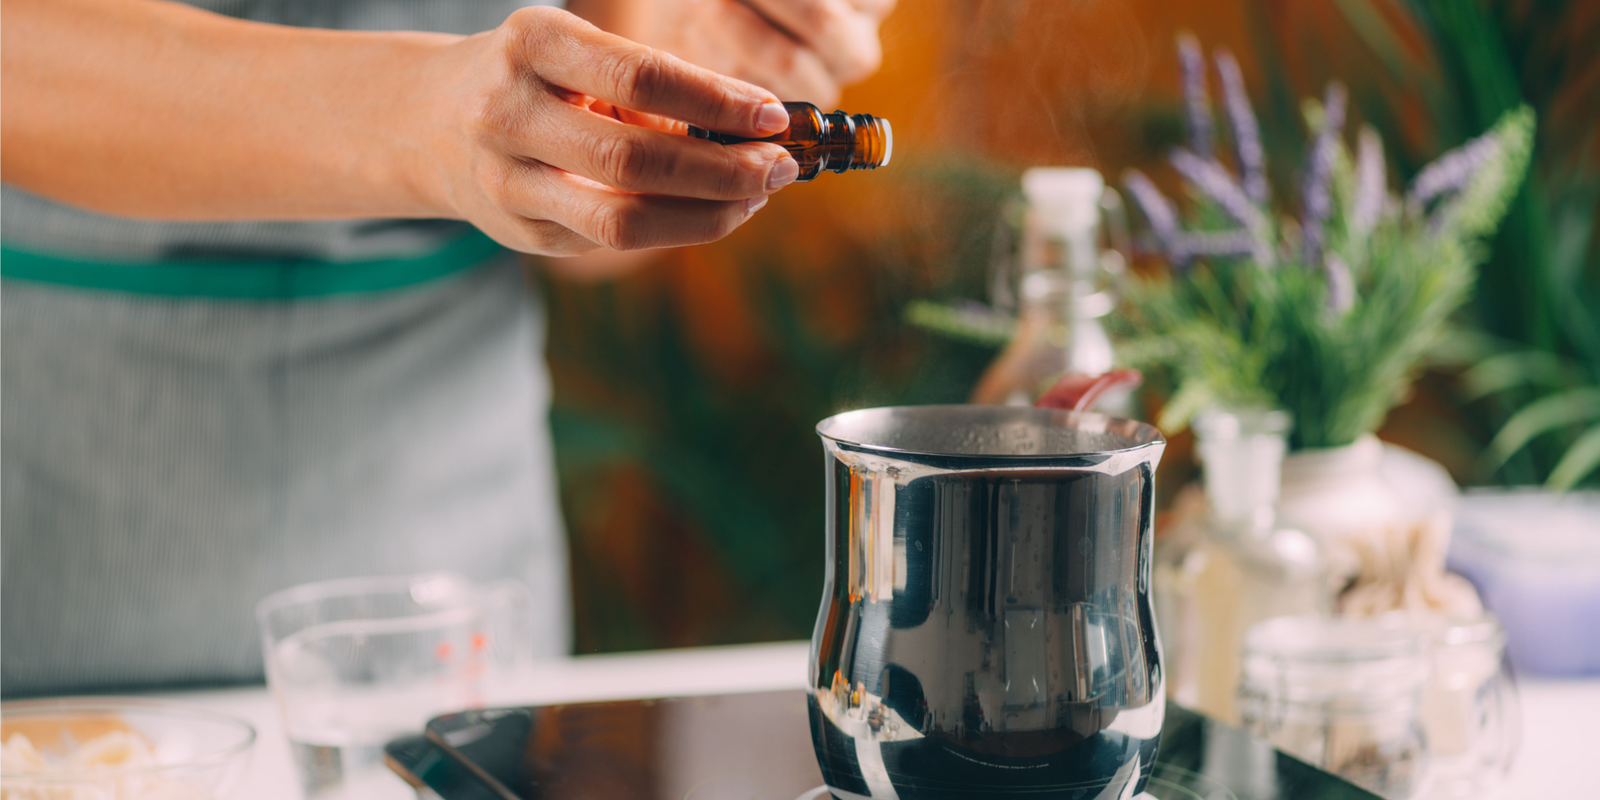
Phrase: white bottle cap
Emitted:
{"points": [[1067, 197]]}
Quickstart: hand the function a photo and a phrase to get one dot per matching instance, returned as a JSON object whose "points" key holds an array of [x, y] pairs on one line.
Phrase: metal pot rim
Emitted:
{"points": [[1026, 434]]}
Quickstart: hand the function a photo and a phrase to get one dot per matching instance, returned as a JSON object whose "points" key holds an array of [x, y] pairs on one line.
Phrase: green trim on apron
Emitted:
{"points": [[250, 279]]}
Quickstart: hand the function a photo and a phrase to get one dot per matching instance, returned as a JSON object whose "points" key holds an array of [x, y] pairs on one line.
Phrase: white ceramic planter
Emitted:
{"points": [[1333, 492], [1338, 493]]}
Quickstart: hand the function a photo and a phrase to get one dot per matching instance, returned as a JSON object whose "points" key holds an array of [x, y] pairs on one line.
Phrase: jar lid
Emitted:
{"points": [[1533, 527], [1482, 630], [1316, 659]]}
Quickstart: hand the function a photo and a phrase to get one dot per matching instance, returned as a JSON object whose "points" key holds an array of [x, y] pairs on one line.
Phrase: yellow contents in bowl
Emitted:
{"points": [[118, 764]]}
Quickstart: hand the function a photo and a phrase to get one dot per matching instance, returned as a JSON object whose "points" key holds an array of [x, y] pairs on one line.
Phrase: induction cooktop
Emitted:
{"points": [[757, 746]]}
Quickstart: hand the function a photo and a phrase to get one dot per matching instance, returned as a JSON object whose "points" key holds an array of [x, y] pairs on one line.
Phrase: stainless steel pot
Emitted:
{"points": [[986, 627]]}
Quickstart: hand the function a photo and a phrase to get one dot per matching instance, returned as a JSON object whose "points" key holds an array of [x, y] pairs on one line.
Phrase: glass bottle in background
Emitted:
{"points": [[1060, 279], [1246, 568], [1341, 694]]}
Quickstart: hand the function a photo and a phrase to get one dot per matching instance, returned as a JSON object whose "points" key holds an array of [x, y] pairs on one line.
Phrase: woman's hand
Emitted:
{"points": [[157, 110], [557, 138]]}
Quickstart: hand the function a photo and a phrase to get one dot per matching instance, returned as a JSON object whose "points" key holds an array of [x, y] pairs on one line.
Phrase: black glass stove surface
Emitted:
{"points": [[758, 746]]}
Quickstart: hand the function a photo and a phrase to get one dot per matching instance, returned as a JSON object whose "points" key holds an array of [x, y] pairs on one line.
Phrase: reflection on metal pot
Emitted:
{"points": [[986, 626]]}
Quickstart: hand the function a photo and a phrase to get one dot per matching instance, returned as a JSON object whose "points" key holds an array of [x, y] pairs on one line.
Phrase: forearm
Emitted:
{"points": [[157, 110]]}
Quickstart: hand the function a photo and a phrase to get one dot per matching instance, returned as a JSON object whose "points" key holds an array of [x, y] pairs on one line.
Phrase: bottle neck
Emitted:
{"points": [[856, 141], [834, 142], [1062, 264], [1046, 293], [1057, 293], [1242, 452]]}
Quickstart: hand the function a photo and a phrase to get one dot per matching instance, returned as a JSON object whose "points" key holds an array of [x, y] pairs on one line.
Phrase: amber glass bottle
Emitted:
{"points": [[819, 141]]}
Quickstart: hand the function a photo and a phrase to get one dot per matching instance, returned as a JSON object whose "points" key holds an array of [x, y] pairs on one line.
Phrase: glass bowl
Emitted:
{"points": [[1535, 558], [119, 749]]}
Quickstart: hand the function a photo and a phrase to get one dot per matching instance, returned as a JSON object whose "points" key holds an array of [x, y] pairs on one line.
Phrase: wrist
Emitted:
{"points": [[402, 154]]}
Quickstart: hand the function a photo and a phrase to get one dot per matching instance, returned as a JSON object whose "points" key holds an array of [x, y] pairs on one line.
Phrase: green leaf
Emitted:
{"points": [[1502, 372], [1190, 397], [1461, 347], [1543, 415], [1478, 209], [1581, 459], [1388, 36], [992, 330]]}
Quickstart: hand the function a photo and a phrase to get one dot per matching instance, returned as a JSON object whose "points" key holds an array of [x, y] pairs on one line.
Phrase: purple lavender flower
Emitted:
{"points": [[1196, 104], [1189, 245], [1215, 182], [1451, 171], [1246, 133], [1169, 239], [1163, 217], [1341, 286], [1371, 183], [1317, 204]]}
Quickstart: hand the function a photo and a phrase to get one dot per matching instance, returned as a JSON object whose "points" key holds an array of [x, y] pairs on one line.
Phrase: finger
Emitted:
{"points": [[546, 238], [771, 59], [844, 38], [878, 9], [638, 159], [623, 221], [652, 121], [807, 79], [537, 236], [576, 56]]}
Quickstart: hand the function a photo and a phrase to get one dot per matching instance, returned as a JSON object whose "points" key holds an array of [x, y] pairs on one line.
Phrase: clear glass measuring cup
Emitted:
{"points": [[355, 663]]}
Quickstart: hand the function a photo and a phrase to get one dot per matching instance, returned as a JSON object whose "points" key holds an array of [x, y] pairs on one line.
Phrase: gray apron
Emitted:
{"points": [[197, 415]]}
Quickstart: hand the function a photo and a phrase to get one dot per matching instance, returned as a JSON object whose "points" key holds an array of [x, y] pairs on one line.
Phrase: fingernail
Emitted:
{"points": [[753, 205], [782, 173], [772, 117]]}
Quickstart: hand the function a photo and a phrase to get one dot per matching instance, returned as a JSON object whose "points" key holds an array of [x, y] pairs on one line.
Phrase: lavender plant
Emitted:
{"points": [[1327, 314]]}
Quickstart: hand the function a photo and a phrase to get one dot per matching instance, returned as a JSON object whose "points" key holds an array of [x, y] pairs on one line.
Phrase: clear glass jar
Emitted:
{"points": [[1342, 694], [1469, 708]]}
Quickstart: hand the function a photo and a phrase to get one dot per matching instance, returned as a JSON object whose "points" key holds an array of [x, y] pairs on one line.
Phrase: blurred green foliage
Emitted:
{"points": [[1540, 293], [1533, 364]]}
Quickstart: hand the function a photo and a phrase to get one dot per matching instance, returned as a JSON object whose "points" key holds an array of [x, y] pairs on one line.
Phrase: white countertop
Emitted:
{"points": [[1558, 716], [660, 673]]}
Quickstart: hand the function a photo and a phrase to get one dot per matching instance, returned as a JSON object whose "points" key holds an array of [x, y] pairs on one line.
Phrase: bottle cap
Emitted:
{"points": [[1068, 196]]}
